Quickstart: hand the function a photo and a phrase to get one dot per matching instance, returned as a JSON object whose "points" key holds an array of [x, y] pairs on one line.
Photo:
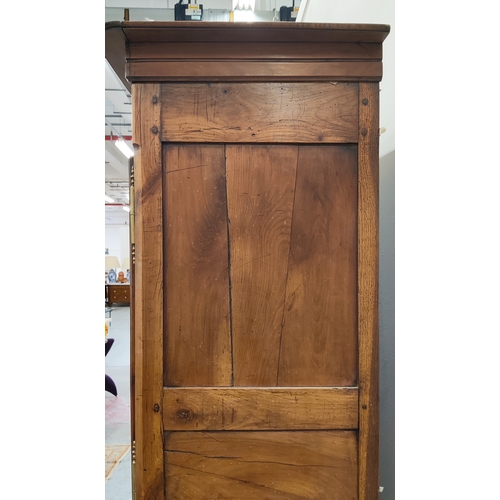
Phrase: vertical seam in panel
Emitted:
{"points": [[287, 267], [229, 270], [357, 381]]}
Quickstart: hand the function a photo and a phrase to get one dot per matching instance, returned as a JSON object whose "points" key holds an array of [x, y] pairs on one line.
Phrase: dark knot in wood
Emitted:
{"points": [[184, 415]]}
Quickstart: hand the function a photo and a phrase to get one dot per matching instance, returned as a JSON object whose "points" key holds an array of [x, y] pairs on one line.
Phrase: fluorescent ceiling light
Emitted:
{"points": [[124, 148], [243, 4], [108, 199]]}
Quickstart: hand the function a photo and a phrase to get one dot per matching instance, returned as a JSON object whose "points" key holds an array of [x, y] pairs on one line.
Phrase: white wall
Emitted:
{"points": [[364, 12], [117, 241]]}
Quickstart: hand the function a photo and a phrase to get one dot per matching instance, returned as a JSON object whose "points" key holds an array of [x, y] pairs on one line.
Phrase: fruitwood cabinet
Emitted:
{"points": [[117, 294], [255, 246]]}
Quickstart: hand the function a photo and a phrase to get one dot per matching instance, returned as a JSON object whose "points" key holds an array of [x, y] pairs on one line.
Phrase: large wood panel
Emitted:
{"points": [[266, 112], [281, 310], [261, 465], [197, 332], [319, 337]]}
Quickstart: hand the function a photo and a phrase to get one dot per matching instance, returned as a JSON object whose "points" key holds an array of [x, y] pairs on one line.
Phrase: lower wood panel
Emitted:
{"points": [[261, 465]]}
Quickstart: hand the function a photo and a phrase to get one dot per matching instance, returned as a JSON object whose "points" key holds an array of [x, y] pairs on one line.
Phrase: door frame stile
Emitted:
{"points": [[368, 255], [148, 294]]}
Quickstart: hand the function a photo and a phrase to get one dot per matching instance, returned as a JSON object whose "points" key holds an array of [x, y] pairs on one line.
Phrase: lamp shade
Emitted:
{"points": [[126, 263], [112, 262]]}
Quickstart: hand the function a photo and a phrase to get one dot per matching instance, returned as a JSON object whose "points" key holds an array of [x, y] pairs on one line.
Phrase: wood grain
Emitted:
{"points": [[197, 331], [197, 409], [340, 52], [267, 112], [261, 465], [368, 249], [115, 43], [148, 294], [260, 186], [318, 346], [266, 32], [260, 105], [261, 71], [255, 51]]}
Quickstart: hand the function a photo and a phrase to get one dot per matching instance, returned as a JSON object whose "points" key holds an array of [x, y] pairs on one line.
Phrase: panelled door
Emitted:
{"points": [[255, 291], [260, 333]]}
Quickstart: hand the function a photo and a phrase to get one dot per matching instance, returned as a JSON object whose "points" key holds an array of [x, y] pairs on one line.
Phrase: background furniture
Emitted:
{"points": [[117, 294], [255, 244]]}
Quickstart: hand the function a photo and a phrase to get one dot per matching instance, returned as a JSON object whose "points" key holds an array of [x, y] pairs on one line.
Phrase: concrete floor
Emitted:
{"points": [[119, 486]]}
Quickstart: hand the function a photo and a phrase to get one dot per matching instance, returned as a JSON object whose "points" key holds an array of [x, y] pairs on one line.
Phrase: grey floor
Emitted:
{"points": [[119, 486]]}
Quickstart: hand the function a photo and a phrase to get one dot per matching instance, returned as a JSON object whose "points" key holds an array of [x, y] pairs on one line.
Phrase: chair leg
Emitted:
{"points": [[108, 345], [110, 386]]}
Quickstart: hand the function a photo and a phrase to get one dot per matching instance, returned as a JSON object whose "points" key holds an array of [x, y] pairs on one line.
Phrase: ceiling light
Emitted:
{"points": [[124, 148], [108, 199], [243, 4]]}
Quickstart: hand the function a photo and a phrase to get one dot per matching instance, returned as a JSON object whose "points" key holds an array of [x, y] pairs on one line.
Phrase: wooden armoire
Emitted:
{"points": [[254, 232]]}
